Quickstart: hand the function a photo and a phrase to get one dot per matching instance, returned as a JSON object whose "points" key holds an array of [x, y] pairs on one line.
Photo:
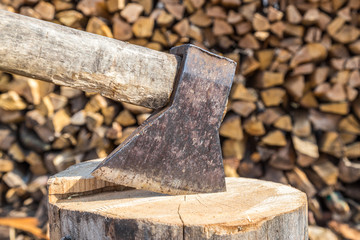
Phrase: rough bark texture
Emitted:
{"points": [[92, 63], [250, 209]]}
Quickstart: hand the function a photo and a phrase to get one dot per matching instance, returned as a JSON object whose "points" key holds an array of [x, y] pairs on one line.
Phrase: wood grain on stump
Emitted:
{"points": [[81, 207]]}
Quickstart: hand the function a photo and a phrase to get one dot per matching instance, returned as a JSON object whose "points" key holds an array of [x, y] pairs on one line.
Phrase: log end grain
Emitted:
{"points": [[250, 209]]}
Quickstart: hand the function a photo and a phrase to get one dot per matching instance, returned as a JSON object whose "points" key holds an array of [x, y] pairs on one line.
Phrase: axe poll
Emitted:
{"points": [[177, 150]]}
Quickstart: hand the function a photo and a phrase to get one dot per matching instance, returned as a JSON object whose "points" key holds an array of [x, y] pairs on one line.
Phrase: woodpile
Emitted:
{"points": [[293, 113]]}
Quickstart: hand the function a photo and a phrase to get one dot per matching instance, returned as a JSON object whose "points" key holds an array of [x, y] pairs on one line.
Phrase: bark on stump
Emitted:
{"points": [[82, 207]]}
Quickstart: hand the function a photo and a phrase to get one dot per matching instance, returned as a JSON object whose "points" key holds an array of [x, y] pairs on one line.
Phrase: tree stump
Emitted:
{"points": [[82, 207]]}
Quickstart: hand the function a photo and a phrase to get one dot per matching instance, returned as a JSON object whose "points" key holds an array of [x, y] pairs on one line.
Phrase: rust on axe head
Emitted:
{"points": [[177, 150]]}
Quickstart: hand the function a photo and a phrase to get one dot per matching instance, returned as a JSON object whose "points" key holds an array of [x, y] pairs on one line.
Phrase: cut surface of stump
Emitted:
{"points": [[82, 207]]}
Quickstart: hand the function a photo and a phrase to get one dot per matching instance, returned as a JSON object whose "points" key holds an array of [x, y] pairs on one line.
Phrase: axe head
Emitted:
{"points": [[177, 150]]}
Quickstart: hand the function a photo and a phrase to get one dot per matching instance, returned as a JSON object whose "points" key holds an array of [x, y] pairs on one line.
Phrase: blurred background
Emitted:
{"points": [[293, 115]]}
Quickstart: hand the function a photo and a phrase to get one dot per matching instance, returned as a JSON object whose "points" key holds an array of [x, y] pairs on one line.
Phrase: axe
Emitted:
{"points": [[177, 149]]}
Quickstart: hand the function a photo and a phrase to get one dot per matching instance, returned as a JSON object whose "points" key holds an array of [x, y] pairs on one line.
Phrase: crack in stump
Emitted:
{"points": [[181, 219]]}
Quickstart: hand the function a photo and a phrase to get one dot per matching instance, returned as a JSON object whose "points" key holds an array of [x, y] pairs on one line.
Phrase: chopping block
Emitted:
{"points": [[82, 207]]}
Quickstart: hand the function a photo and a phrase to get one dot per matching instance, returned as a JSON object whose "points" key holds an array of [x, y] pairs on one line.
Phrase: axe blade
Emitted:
{"points": [[177, 150]]}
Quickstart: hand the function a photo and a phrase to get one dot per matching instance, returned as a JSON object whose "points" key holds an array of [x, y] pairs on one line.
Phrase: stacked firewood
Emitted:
{"points": [[293, 114]]}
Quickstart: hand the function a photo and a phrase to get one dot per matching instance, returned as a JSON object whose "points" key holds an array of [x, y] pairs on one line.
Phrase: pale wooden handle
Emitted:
{"points": [[93, 63]]}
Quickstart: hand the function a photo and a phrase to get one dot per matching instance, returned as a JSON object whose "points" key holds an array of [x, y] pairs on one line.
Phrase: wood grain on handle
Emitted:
{"points": [[93, 63]]}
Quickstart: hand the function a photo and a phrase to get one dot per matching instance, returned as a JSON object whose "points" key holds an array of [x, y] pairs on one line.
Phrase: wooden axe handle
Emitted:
{"points": [[93, 63]]}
